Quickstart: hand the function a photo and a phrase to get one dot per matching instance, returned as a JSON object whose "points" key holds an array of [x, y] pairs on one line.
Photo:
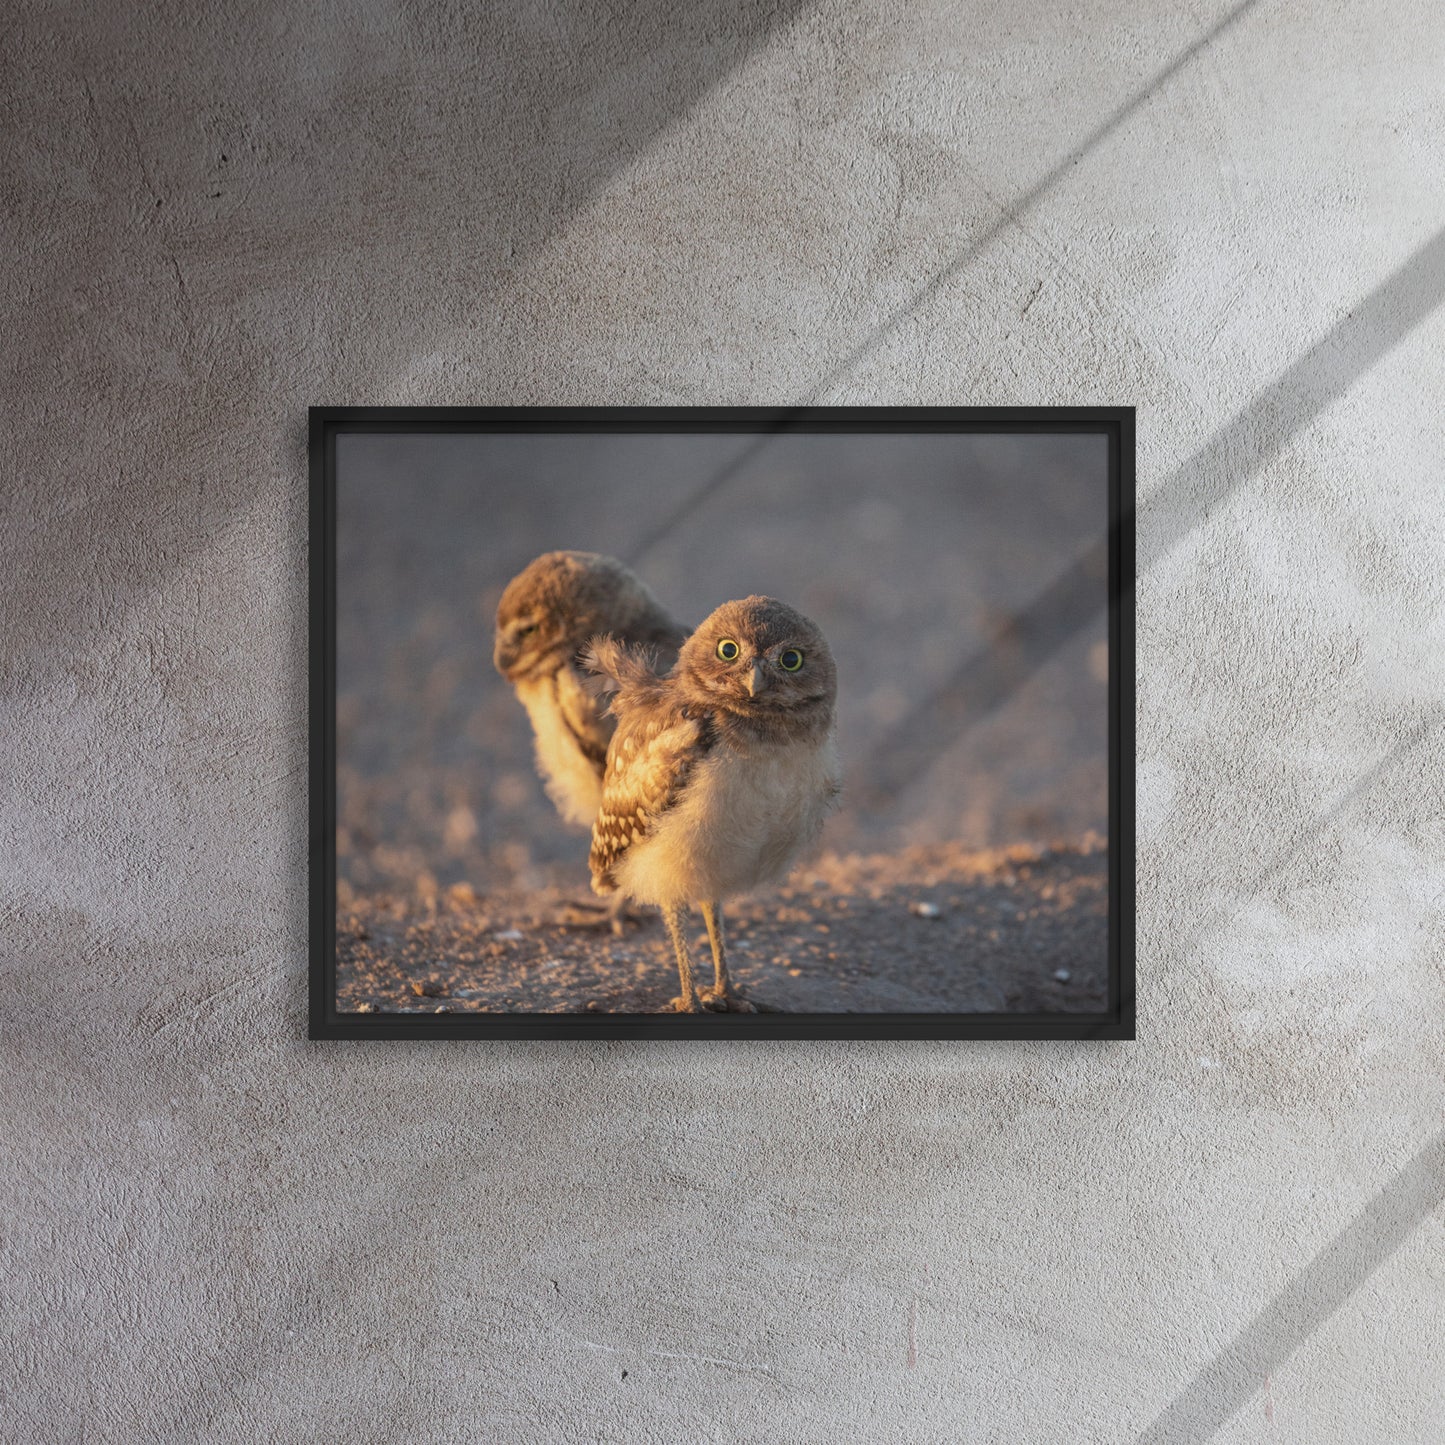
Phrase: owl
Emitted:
{"points": [[548, 613], [719, 774]]}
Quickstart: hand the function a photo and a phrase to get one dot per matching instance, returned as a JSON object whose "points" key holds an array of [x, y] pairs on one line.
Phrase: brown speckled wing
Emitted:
{"points": [[652, 756], [585, 716]]}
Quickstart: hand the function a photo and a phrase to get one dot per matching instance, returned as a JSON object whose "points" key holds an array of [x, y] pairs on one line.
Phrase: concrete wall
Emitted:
{"points": [[218, 213]]}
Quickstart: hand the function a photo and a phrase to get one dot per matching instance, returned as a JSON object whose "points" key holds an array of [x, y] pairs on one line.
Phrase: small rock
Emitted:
{"points": [[508, 935], [924, 909], [425, 989], [1062, 975], [462, 895], [441, 1009], [366, 1008], [593, 1007]]}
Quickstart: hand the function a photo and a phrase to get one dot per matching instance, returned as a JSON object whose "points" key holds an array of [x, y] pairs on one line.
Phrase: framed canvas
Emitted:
{"points": [[722, 723]]}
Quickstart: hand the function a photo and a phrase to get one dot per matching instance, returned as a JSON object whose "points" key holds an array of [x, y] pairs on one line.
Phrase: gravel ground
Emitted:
{"points": [[930, 929], [920, 559]]}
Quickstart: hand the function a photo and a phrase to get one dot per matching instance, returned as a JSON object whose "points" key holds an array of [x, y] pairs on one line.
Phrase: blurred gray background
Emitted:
{"points": [[1225, 214], [914, 553]]}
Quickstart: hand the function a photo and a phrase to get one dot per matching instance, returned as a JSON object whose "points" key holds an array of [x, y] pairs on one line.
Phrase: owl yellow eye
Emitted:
{"points": [[790, 659], [728, 650]]}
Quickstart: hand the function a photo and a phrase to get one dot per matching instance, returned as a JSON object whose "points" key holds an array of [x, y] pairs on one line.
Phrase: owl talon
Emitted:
{"points": [[583, 913], [721, 1001]]}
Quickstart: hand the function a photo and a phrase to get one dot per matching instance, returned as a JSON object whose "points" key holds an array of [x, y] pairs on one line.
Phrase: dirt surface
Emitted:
{"points": [[931, 929], [961, 733]]}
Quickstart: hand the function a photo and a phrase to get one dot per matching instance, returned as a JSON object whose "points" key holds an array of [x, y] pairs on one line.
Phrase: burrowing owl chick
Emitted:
{"points": [[719, 774], [548, 613]]}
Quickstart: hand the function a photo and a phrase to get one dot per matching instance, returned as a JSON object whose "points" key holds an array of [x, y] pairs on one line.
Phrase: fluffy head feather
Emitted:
{"points": [[556, 603], [751, 692]]}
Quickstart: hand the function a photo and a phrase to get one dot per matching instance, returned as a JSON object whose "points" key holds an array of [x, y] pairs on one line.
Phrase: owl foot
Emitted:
{"points": [[680, 1005], [723, 1001], [583, 913]]}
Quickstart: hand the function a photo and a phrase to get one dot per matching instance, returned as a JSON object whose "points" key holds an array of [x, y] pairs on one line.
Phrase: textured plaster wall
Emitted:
{"points": [[216, 213]]}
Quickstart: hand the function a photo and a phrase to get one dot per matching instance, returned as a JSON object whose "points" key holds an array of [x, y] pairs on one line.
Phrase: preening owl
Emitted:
{"points": [[719, 774], [546, 617]]}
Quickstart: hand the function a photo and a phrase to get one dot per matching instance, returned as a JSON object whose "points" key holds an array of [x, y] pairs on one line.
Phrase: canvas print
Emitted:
{"points": [[719, 723]]}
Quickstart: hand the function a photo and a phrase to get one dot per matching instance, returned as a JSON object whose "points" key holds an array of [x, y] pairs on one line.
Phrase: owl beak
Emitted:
{"points": [[511, 659], [757, 679]]}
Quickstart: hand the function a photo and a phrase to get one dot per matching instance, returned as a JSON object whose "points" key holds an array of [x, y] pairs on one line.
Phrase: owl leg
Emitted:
{"points": [[687, 1002], [720, 997], [618, 915]]}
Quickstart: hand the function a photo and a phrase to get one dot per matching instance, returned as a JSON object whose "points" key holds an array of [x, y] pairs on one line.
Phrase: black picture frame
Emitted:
{"points": [[326, 1023]]}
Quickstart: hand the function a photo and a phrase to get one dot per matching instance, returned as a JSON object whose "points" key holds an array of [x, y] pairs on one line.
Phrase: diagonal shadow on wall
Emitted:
{"points": [[1316, 1292], [1311, 1297], [1007, 218], [1205, 482], [305, 191]]}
